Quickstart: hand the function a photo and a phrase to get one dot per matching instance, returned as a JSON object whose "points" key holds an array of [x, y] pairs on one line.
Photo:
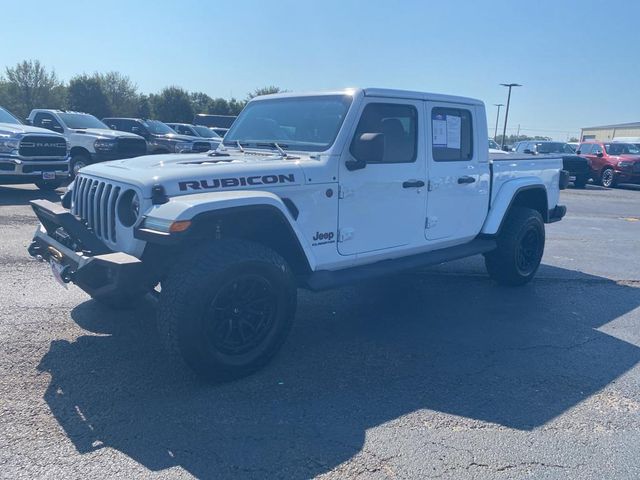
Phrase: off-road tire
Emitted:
{"points": [[581, 181], [520, 248], [48, 185], [608, 178], [194, 308]]}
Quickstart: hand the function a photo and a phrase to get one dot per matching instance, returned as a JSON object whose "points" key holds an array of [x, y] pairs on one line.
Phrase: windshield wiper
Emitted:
{"points": [[277, 146]]}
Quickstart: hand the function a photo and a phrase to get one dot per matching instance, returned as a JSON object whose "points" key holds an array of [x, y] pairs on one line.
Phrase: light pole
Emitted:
{"points": [[495, 133], [506, 113]]}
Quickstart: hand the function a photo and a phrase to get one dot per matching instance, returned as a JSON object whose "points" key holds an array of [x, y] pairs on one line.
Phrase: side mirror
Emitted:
{"points": [[369, 148], [600, 154], [578, 152], [526, 150]]}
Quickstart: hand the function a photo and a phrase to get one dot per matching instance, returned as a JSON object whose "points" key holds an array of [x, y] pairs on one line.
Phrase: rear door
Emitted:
{"points": [[382, 205], [458, 171]]}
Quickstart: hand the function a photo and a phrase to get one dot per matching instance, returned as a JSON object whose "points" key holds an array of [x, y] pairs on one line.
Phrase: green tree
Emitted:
{"points": [[172, 104], [121, 92], [236, 106], [264, 91], [143, 107], [201, 102], [30, 85], [85, 94], [573, 139]]}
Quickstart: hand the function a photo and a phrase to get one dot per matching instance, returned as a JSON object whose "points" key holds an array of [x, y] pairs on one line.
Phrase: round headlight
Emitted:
{"points": [[129, 208]]}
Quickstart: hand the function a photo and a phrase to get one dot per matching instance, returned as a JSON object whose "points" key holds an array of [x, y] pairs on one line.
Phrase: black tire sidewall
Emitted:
{"points": [[77, 159], [193, 340], [531, 225], [187, 295]]}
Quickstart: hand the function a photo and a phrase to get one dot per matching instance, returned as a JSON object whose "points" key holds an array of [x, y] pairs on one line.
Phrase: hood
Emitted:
{"points": [[186, 173], [16, 129], [105, 133]]}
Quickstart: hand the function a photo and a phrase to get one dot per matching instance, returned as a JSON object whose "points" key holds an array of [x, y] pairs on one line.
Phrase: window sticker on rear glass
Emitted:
{"points": [[439, 129], [454, 128]]}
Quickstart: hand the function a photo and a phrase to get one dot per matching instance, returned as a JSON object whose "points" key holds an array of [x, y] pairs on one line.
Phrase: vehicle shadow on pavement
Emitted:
{"points": [[357, 358], [22, 196]]}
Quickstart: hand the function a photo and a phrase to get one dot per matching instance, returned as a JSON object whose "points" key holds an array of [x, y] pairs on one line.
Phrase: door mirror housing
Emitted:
{"points": [[526, 150], [600, 154], [368, 148]]}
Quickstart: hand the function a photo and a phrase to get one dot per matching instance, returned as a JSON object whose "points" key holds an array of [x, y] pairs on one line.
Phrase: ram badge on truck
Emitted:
{"points": [[311, 191]]}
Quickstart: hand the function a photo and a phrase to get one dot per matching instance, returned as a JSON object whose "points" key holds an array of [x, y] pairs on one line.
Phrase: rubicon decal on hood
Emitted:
{"points": [[236, 182]]}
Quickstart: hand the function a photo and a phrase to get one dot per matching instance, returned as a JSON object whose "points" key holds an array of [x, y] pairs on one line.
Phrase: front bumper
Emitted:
{"points": [[22, 171], [85, 260]]}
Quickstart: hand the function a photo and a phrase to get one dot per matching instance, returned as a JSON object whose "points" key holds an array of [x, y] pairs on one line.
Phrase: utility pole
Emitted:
{"points": [[495, 133], [506, 113]]}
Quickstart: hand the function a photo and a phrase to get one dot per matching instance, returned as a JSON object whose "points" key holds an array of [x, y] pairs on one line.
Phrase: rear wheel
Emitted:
{"points": [[608, 178], [226, 308], [48, 185], [520, 248]]}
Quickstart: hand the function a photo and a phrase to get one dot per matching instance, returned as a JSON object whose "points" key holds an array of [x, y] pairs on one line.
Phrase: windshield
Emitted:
{"points": [[156, 127], [554, 147], [81, 120], [493, 144], [622, 149], [205, 132], [6, 117], [298, 123]]}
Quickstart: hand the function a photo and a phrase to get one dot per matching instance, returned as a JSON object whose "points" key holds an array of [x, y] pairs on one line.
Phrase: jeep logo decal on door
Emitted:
{"points": [[236, 182]]}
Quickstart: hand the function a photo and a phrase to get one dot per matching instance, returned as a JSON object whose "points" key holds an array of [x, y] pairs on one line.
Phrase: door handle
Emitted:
{"points": [[466, 179], [413, 184]]}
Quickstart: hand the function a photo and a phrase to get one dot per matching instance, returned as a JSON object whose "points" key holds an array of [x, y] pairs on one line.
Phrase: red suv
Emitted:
{"points": [[612, 162]]}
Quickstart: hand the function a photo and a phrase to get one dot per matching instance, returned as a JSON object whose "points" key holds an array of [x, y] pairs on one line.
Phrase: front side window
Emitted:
{"points": [[296, 123], [399, 125], [452, 134], [46, 120]]}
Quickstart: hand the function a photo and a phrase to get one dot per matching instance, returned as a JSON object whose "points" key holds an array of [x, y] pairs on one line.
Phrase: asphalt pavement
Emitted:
{"points": [[435, 374]]}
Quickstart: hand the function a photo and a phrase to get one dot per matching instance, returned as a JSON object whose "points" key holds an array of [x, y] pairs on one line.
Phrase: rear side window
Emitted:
{"points": [[399, 125], [451, 134]]}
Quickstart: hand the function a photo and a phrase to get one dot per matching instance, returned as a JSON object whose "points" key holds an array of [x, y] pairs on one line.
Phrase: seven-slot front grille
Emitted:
{"points": [[95, 202], [37, 146]]}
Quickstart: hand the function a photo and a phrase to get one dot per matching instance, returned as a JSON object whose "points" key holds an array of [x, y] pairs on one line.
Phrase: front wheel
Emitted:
{"points": [[77, 162], [520, 248], [226, 308], [608, 178]]}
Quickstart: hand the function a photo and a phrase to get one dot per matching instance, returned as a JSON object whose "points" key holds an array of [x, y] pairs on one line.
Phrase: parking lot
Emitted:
{"points": [[435, 374]]}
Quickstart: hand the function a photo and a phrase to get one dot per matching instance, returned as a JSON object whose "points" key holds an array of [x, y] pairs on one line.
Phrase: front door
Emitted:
{"points": [[383, 205], [459, 177]]}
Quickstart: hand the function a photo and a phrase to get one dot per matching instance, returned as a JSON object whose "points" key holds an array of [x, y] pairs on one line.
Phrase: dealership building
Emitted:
{"points": [[609, 132]]}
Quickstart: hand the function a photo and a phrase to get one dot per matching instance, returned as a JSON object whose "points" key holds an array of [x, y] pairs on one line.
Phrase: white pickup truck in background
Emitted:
{"points": [[90, 140], [31, 154], [308, 190]]}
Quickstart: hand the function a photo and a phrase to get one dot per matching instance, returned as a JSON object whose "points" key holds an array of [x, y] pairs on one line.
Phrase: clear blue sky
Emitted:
{"points": [[577, 59]]}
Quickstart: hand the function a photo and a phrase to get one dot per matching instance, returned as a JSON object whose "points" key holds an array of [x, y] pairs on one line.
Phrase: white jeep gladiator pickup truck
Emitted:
{"points": [[311, 191], [31, 155], [90, 140]]}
